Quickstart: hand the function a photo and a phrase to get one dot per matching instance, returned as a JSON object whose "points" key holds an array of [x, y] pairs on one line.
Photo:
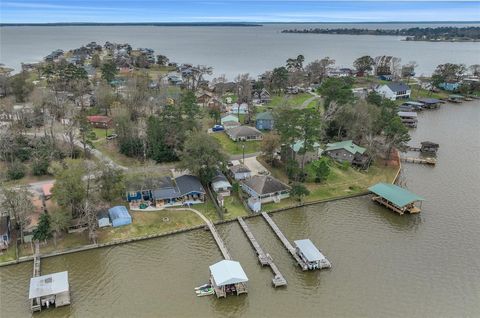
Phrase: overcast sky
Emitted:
{"points": [[43, 11]]}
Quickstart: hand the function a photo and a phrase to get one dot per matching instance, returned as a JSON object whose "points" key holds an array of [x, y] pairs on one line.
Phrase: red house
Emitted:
{"points": [[100, 121]]}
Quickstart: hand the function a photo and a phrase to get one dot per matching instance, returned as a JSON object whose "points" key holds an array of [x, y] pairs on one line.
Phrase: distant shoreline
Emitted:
{"points": [[173, 24]]}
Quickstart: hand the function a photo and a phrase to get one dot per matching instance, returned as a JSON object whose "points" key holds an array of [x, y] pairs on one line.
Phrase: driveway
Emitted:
{"points": [[255, 166]]}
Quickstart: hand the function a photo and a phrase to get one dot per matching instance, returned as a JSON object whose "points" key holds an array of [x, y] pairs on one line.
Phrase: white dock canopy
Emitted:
{"points": [[228, 272], [51, 284], [311, 253]]}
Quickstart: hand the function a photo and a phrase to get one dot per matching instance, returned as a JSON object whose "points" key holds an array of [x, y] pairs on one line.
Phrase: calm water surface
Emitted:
{"points": [[234, 50], [384, 265]]}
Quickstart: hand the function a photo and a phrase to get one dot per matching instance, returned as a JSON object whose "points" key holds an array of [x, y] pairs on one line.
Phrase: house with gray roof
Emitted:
{"points": [[394, 90], [265, 188], [344, 151], [244, 133], [220, 184], [240, 172], [264, 121]]}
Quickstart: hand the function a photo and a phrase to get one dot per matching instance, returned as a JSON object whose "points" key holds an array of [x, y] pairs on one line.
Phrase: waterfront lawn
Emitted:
{"points": [[151, 222], [64, 242], [418, 92], [8, 254], [235, 148], [292, 100], [234, 207]]}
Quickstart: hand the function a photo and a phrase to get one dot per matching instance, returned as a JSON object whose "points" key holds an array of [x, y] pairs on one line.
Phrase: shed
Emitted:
{"points": [[395, 198], [103, 219], [119, 216]]}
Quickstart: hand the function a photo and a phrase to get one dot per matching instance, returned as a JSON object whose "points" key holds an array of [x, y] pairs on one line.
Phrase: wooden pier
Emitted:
{"points": [[218, 239], [285, 241], [427, 161], [264, 259], [35, 304]]}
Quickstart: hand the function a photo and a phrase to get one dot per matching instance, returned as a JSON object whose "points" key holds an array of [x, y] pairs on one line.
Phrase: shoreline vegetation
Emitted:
{"points": [[438, 34]]}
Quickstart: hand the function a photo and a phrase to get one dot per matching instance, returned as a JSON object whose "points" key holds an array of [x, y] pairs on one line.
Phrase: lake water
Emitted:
{"points": [[384, 264], [234, 50]]}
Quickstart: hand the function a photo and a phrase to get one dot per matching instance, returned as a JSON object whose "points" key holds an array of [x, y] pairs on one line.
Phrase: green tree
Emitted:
{"points": [[364, 64], [299, 191], [202, 155], [70, 190], [279, 78], [162, 60], [18, 204], [337, 90], [374, 98], [109, 71], [449, 72], [59, 221], [20, 86], [96, 60], [43, 231], [270, 146], [110, 182], [396, 135], [321, 169], [16, 170], [310, 125]]}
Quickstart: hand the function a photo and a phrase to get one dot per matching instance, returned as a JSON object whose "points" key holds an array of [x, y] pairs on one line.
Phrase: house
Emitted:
{"points": [[240, 109], [262, 96], [103, 219], [230, 124], [5, 234], [451, 87], [394, 90], [244, 133], [220, 185], [264, 121], [98, 121], [265, 188], [174, 79], [228, 118], [52, 289], [228, 277], [295, 152], [310, 254], [409, 119], [240, 172], [182, 190], [203, 97], [343, 151], [216, 103], [119, 216]]}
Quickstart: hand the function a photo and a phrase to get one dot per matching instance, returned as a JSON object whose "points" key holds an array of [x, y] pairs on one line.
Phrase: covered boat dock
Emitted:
{"points": [[430, 103], [228, 277], [396, 198], [311, 255], [49, 290]]}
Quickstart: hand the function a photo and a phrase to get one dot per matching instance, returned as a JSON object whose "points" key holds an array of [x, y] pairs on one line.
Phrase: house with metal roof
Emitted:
{"points": [[265, 188], [430, 102], [228, 277], [244, 133], [52, 289], [264, 121], [295, 151], [394, 90], [344, 151], [396, 198], [409, 119], [228, 118], [310, 254], [220, 185]]}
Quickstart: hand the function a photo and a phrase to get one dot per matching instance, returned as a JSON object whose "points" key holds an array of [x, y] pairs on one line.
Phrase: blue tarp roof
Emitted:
{"points": [[309, 250], [398, 196], [228, 272], [118, 212]]}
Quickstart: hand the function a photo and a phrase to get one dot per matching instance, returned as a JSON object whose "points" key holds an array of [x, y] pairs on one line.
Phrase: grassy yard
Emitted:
{"points": [[66, 241], [234, 207], [8, 254], [109, 148], [235, 148], [293, 100], [418, 92]]}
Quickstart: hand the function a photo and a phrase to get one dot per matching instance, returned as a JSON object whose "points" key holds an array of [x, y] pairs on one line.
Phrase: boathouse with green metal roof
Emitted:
{"points": [[396, 198]]}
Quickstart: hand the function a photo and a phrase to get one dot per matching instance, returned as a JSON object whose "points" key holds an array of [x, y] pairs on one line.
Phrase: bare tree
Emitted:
{"points": [[17, 203]]}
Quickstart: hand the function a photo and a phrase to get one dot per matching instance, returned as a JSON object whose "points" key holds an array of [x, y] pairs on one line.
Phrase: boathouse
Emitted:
{"points": [[409, 119], [49, 290], [228, 278], [310, 254], [395, 198], [430, 102], [429, 147]]}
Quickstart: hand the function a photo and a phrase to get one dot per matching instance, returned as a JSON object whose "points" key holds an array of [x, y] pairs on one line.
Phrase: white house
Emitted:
{"points": [[240, 172], [265, 188], [221, 185], [394, 90]]}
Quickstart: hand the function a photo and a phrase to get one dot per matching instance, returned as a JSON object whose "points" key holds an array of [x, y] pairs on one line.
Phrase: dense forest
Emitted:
{"points": [[412, 34]]}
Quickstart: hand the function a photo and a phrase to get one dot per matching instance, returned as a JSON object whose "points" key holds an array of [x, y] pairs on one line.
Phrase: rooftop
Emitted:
{"points": [[264, 116], [299, 145], [348, 145], [265, 184], [243, 131], [50, 284], [240, 168], [187, 184], [398, 196], [228, 272], [407, 114], [397, 86], [309, 250]]}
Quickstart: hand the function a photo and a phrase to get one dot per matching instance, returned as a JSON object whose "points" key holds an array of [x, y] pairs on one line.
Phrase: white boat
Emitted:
{"points": [[202, 286], [205, 292]]}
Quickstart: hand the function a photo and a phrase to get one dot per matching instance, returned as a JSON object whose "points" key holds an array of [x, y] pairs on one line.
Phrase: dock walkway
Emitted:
{"points": [[264, 259], [35, 304], [428, 161], [285, 241]]}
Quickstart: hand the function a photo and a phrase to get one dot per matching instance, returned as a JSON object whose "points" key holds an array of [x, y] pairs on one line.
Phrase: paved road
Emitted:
{"points": [[247, 155]]}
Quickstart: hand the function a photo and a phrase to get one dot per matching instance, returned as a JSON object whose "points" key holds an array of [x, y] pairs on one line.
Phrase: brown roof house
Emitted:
{"points": [[264, 189], [244, 133]]}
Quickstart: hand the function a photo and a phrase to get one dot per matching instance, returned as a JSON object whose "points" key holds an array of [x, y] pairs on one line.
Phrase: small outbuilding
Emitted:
{"points": [[240, 172], [310, 254], [49, 290], [221, 185], [395, 198], [119, 216], [103, 219], [228, 278]]}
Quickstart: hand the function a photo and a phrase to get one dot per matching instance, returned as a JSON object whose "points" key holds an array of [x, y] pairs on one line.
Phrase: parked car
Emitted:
{"points": [[112, 136], [218, 128]]}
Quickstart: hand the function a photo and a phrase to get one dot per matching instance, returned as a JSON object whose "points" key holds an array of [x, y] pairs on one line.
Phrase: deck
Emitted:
{"points": [[285, 241], [427, 161], [264, 259], [218, 239]]}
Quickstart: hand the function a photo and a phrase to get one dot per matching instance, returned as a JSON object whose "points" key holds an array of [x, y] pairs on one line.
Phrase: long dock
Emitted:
{"points": [[285, 241], [218, 239], [427, 161], [264, 259], [35, 302]]}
